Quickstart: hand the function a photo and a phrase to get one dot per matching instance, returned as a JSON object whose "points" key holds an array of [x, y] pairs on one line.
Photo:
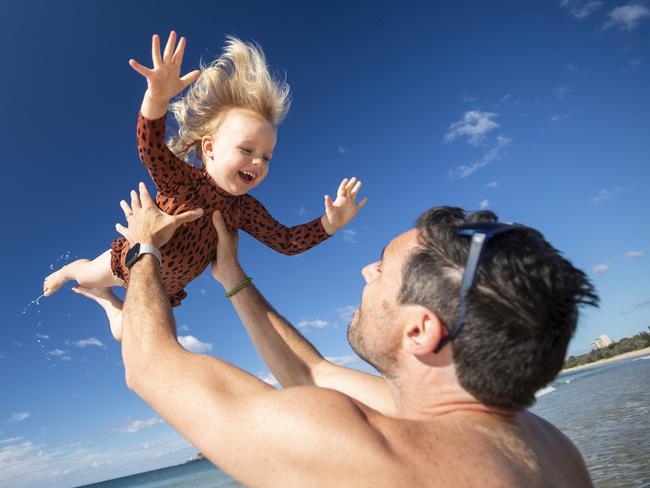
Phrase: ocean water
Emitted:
{"points": [[605, 411], [197, 474]]}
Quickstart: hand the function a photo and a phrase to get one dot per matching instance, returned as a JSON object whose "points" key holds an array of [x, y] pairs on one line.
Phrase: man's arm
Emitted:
{"points": [[289, 356], [248, 428]]}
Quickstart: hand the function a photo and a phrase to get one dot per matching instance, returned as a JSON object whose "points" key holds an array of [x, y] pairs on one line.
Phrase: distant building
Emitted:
{"points": [[602, 341]]}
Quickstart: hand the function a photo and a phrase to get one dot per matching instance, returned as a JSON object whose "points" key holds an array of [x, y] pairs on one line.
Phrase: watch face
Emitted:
{"points": [[132, 255]]}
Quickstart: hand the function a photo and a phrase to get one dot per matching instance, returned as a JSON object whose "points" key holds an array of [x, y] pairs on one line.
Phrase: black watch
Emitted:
{"points": [[138, 250]]}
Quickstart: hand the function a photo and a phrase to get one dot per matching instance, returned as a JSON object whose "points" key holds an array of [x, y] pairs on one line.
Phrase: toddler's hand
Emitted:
{"points": [[342, 210], [164, 81]]}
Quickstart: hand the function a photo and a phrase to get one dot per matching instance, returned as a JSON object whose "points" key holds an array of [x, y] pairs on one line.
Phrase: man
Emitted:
{"points": [[461, 353]]}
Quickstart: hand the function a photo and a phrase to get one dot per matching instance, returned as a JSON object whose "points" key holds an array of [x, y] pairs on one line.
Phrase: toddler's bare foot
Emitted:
{"points": [[109, 302], [55, 281]]}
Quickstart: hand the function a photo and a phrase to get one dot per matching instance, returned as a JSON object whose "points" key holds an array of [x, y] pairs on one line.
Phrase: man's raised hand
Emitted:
{"points": [[147, 223], [225, 266], [164, 80]]}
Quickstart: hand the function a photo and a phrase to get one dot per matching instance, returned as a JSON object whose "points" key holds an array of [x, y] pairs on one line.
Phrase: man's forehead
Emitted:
{"points": [[402, 244]]}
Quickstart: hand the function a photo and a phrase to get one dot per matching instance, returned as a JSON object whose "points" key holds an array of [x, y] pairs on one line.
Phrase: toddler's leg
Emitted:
{"points": [[94, 274], [110, 303]]}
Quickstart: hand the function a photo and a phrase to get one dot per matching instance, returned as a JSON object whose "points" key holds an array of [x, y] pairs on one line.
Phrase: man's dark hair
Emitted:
{"points": [[521, 312]]}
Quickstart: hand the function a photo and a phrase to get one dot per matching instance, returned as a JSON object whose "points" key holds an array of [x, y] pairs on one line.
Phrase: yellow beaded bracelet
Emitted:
{"points": [[245, 282]]}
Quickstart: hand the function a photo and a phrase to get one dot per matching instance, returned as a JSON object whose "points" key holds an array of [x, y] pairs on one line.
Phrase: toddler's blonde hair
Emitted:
{"points": [[239, 78]]}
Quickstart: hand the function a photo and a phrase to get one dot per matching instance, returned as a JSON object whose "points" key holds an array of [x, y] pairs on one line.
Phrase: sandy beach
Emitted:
{"points": [[627, 355]]}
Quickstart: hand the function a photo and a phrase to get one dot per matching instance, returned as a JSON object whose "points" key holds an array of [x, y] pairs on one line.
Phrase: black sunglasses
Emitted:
{"points": [[481, 233]]}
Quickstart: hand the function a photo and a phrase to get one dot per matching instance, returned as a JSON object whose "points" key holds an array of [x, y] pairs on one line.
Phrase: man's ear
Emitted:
{"points": [[207, 146], [424, 332]]}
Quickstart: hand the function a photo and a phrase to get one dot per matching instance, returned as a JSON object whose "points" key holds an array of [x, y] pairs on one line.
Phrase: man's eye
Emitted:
{"points": [[266, 159]]}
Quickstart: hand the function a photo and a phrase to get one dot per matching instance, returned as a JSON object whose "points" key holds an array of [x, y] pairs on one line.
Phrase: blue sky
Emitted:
{"points": [[535, 110]]}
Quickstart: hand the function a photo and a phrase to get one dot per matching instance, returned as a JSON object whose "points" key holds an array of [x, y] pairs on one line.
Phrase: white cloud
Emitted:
{"points": [[484, 204], [91, 341], [42, 336], [314, 324], [342, 360], [494, 154], [2, 356], [634, 254], [559, 117], [474, 125], [627, 17], [505, 98], [604, 195], [138, 425], [468, 99], [184, 328], [36, 464], [635, 63], [580, 9], [492, 184], [562, 91], [18, 417], [56, 353], [342, 150], [346, 313], [601, 268], [12, 439], [349, 235], [269, 379], [300, 211], [192, 344]]}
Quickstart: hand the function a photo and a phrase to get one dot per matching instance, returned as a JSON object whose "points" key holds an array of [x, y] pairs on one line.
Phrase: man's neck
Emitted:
{"points": [[432, 395]]}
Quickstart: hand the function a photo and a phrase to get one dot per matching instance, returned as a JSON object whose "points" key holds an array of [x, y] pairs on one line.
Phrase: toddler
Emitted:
{"points": [[227, 120]]}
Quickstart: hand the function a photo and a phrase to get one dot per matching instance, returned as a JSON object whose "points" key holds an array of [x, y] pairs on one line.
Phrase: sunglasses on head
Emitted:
{"points": [[480, 233]]}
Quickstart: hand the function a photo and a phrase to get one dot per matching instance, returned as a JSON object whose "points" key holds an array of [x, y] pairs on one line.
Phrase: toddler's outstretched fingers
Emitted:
{"points": [[328, 203], [362, 203], [342, 186], [356, 189], [144, 71], [191, 77]]}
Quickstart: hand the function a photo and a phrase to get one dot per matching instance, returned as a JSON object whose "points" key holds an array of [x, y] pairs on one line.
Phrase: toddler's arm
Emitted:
{"points": [[163, 83], [257, 221]]}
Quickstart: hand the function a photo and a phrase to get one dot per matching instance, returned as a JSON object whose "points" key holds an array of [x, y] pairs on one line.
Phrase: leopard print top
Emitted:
{"points": [[183, 187]]}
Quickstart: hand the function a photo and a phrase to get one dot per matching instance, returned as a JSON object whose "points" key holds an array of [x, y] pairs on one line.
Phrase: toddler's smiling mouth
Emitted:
{"points": [[247, 176]]}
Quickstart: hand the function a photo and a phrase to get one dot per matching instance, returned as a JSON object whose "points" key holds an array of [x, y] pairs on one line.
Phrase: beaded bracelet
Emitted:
{"points": [[245, 282]]}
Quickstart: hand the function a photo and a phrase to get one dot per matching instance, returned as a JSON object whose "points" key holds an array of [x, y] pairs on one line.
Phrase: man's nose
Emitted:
{"points": [[368, 272]]}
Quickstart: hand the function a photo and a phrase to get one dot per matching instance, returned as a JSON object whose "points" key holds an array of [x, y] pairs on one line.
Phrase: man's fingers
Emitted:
{"points": [[145, 197], [135, 201], [177, 58], [143, 70], [169, 47], [125, 208], [189, 216], [356, 189], [362, 203], [219, 224], [155, 51], [123, 230]]}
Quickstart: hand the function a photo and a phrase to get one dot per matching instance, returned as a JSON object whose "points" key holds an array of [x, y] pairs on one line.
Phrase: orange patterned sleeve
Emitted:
{"points": [[258, 222], [167, 170]]}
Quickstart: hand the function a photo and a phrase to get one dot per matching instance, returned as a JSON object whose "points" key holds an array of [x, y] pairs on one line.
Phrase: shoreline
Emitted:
{"points": [[625, 355]]}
